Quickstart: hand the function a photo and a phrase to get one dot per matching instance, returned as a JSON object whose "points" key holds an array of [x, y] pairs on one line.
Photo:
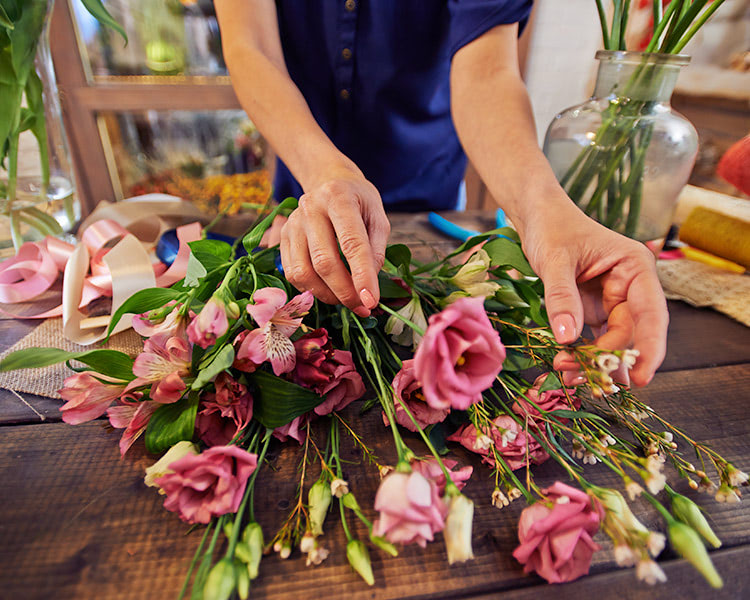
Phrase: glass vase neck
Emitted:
{"points": [[638, 75]]}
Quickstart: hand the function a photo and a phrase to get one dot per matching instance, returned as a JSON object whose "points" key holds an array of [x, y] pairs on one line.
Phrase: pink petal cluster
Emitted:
{"points": [[294, 429], [327, 371], [87, 397], [165, 360], [224, 413], [556, 536], [509, 439], [206, 485], [547, 401], [407, 391], [460, 355], [210, 323], [430, 469], [173, 323], [133, 415], [277, 320]]}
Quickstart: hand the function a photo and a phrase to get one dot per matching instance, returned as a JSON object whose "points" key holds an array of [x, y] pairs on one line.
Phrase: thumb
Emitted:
{"points": [[563, 302]]}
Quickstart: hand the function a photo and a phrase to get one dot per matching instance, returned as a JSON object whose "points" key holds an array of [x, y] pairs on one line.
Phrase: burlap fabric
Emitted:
{"points": [[46, 381]]}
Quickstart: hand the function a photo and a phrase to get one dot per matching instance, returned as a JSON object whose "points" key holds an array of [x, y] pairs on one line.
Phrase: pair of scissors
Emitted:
{"points": [[450, 229]]}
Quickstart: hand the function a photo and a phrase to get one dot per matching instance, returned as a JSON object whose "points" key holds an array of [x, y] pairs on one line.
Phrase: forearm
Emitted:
{"points": [[253, 54], [493, 118]]}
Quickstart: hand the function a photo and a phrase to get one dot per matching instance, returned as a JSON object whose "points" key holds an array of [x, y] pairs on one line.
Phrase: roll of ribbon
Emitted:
{"points": [[719, 234]]}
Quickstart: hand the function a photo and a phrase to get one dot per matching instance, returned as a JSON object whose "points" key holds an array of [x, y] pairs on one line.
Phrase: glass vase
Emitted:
{"points": [[624, 155], [37, 186]]}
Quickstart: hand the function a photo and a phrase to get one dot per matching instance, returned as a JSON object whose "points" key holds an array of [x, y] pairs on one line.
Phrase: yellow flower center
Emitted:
{"points": [[461, 361]]}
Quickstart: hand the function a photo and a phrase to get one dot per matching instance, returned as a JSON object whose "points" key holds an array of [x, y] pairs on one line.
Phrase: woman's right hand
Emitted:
{"points": [[342, 210]]}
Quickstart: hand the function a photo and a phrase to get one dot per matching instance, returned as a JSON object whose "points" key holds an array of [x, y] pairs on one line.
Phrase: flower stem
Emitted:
{"points": [[411, 324]]}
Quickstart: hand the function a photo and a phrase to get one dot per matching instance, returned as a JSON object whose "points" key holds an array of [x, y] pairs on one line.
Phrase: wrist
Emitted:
{"points": [[332, 167]]}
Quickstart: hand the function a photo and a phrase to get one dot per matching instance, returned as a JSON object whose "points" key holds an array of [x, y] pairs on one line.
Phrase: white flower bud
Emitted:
{"points": [[339, 488], [649, 572]]}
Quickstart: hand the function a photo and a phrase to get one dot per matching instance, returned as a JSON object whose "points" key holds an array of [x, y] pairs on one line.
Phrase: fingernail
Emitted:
{"points": [[367, 298], [564, 327]]}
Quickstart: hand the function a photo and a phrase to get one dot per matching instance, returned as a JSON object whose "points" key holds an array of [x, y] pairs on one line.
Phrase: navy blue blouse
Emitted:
{"points": [[375, 74]]}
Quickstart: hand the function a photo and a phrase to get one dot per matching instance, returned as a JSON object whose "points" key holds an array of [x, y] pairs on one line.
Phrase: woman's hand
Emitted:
{"points": [[342, 210], [595, 276]]}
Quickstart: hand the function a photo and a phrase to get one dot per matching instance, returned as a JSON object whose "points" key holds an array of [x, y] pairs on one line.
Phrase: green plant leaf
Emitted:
{"points": [[107, 362], [211, 253], [551, 382], [143, 301], [97, 10], [5, 19], [265, 280], [222, 360], [172, 423], [505, 252], [195, 271], [515, 361], [389, 288], [252, 240], [278, 401], [575, 414], [398, 255]]}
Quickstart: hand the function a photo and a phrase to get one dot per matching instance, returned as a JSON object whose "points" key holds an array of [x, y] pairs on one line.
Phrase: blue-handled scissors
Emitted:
{"points": [[449, 228]]}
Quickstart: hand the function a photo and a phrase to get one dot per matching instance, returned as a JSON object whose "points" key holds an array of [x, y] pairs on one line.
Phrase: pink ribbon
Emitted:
{"points": [[37, 266]]}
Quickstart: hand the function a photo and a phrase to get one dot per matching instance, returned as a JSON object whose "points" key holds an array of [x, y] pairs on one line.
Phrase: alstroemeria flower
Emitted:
{"points": [[460, 356], [400, 332], [277, 320], [165, 360], [87, 397], [210, 324], [132, 415], [173, 323]]}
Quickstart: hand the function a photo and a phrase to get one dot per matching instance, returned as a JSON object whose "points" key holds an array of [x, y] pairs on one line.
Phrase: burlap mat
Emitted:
{"points": [[702, 285], [46, 381]]}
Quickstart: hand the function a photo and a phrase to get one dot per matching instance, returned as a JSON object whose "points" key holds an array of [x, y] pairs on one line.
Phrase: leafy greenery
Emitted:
{"points": [[107, 362], [172, 423]]}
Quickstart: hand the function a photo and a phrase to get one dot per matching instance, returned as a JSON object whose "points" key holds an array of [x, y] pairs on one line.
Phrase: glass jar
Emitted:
{"points": [[624, 155], [37, 192]]}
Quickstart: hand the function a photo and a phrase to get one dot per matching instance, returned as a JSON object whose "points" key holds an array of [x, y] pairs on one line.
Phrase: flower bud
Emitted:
{"points": [[508, 295], [736, 477], [457, 531], [384, 545], [253, 537], [359, 559], [689, 513], [243, 583], [161, 466], [339, 488], [307, 543], [221, 581], [318, 499], [688, 544], [350, 502], [285, 551]]}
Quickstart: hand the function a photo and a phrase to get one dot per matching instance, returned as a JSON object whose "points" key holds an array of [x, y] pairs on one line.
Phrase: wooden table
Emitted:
{"points": [[76, 521]]}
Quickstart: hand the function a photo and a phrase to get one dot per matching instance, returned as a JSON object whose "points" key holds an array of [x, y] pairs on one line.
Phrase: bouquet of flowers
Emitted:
{"points": [[458, 351]]}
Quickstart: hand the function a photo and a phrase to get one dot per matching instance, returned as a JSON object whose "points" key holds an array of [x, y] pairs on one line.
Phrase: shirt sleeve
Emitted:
{"points": [[472, 18]]}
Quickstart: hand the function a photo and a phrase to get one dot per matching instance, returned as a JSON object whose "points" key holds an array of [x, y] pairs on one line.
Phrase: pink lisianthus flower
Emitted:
{"points": [[210, 323], [411, 509], [207, 485], [327, 371], [87, 397], [277, 320], [173, 323], [224, 413], [407, 391], [430, 469], [460, 355], [547, 401], [556, 536], [509, 440], [165, 360], [132, 415]]}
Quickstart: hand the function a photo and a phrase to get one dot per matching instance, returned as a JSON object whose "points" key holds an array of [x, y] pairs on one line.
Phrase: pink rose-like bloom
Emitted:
{"points": [[277, 320], [165, 360], [509, 439], [430, 469], [132, 415], [460, 355], [224, 413], [210, 324], [87, 398], [548, 400], [327, 371], [173, 323], [407, 391], [206, 485], [294, 429], [556, 541], [411, 509]]}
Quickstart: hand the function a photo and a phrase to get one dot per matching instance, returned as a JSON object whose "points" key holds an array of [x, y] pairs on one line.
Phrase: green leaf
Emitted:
{"points": [[515, 361], [5, 19], [211, 253], [143, 301], [221, 361], [398, 255], [96, 8], [278, 401], [107, 362], [436, 435], [195, 272], [551, 382], [575, 414], [505, 252], [252, 240], [389, 288], [172, 423], [265, 280]]}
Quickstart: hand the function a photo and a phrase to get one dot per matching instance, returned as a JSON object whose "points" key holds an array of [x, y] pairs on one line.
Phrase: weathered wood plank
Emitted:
{"points": [[77, 521]]}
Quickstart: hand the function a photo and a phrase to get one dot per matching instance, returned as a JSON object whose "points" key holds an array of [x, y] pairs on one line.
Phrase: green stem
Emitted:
{"points": [[603, 23], [185, 583], [411, 324], [696, 26], [658, 506]]}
